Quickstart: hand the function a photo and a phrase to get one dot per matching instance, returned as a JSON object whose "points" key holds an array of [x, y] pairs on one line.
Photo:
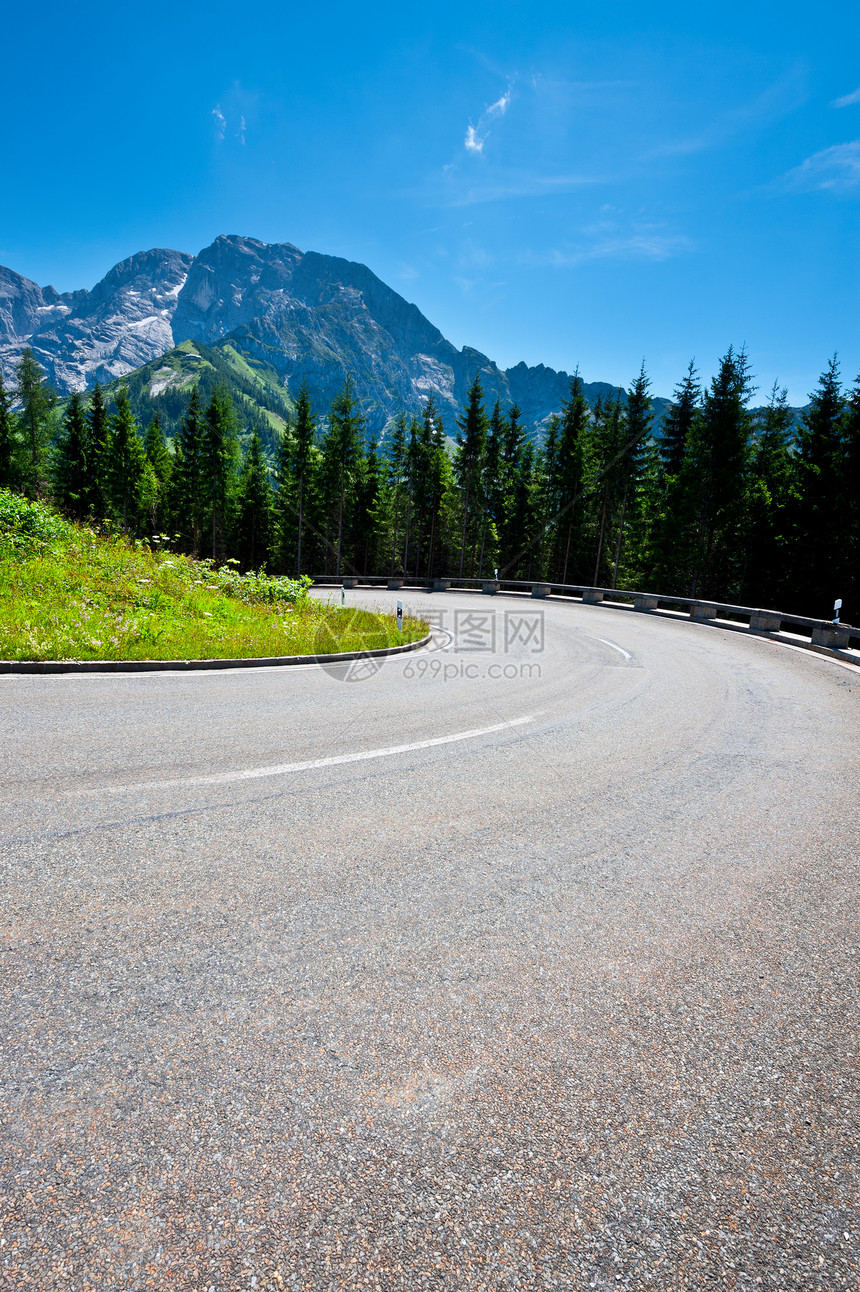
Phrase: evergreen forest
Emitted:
{"points": [[723, 502]]}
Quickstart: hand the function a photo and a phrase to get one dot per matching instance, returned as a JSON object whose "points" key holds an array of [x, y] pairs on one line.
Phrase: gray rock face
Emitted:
{"points": [[85, 336], [231, 283], [312, 317]]}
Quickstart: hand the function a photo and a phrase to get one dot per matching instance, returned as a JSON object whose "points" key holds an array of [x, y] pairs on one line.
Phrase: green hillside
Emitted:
{"points": [[68, 592], [162, 387]]}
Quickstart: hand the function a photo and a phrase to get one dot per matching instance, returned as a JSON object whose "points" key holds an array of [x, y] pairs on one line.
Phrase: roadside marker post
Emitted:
{"points": [[837, 606], [400, 617], [342, 595]]}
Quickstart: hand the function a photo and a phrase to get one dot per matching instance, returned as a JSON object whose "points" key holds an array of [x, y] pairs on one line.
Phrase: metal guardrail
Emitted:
{"points": [[821, 632]]}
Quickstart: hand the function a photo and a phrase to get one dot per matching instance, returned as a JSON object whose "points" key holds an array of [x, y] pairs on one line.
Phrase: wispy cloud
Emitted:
{"points": [[773, 103], [847, 100], [476, 136], [473, 142], [519, 183], [235, 113], [835, 170], [642, 242], [500, 107]]}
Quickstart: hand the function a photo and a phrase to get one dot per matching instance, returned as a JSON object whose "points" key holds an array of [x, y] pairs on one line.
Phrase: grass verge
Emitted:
{"points": [[69, 593]]}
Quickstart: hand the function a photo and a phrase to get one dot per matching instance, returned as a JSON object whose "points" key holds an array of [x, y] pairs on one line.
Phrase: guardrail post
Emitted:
{"points": [[440, 585], [641, 602], [702, 610], [540, 589], [765, 621], [832, 635], [348, 582], [395, 584], [490, 586], [592, 597]]}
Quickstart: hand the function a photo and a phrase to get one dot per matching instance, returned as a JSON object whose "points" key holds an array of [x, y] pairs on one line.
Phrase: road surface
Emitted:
{"points": [[529, 961]]}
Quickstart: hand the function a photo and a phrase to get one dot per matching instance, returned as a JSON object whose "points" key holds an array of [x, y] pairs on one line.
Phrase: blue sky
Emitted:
{"points": [[560, 183]]}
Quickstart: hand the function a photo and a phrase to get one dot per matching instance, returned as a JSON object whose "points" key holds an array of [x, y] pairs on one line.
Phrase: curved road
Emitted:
{"points": [[526, 962]]}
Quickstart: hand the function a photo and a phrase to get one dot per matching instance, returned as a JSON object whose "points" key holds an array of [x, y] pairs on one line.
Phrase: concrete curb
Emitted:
{"points": [[722, 625], [179, 665]]}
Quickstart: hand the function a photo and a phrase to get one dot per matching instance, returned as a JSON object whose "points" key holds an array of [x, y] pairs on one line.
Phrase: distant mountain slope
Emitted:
{"points": [[291, 315], [162, 387]]}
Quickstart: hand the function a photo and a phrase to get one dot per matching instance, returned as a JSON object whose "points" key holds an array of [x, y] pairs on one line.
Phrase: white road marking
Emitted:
{"points": [[283, 769], [625, 653]]}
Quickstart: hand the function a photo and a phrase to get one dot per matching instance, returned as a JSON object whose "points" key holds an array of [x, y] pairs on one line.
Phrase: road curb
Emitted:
{"points": [[180, 665]]}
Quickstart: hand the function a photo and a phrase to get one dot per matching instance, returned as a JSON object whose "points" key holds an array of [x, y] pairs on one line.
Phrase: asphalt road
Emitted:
{"points": [[526, 962]]}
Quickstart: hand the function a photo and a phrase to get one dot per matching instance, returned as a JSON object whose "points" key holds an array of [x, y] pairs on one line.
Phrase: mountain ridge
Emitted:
{"points": [[304, 315]]}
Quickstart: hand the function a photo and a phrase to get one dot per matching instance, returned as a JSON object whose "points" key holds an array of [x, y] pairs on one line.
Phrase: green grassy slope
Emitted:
{"points": [[68, 593]]}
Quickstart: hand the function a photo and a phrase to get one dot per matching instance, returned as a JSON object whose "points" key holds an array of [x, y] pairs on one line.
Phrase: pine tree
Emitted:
{"points": [[771, 498], [37, 398], [296, 472], [341, 459], [851, 505], [510, 463], [98, 450], [367, 492], [254, 527], [160, 464], [73, 466], [421, 472], [127, 465], [570, 470], [412, 470], [678, 423], [547, 502], [220, 455], [521, 516], [639, 419], [671, 557], [10, 474], [189, 481], [394, 495], [468, 467], [820, 524], [440, 482], [493, 516], [718, 459], [609, 473]]}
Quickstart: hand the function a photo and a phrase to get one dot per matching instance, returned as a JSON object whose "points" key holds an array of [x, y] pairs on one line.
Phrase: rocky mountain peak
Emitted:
{"points": [[232, 282], [304, 315]]}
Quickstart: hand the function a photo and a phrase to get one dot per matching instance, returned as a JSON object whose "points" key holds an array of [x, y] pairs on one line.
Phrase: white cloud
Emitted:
{"points": [[220, 122], [473, 142], [476, 136], [500, 107], [847, 100], [240, 133], [836, 170]]}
